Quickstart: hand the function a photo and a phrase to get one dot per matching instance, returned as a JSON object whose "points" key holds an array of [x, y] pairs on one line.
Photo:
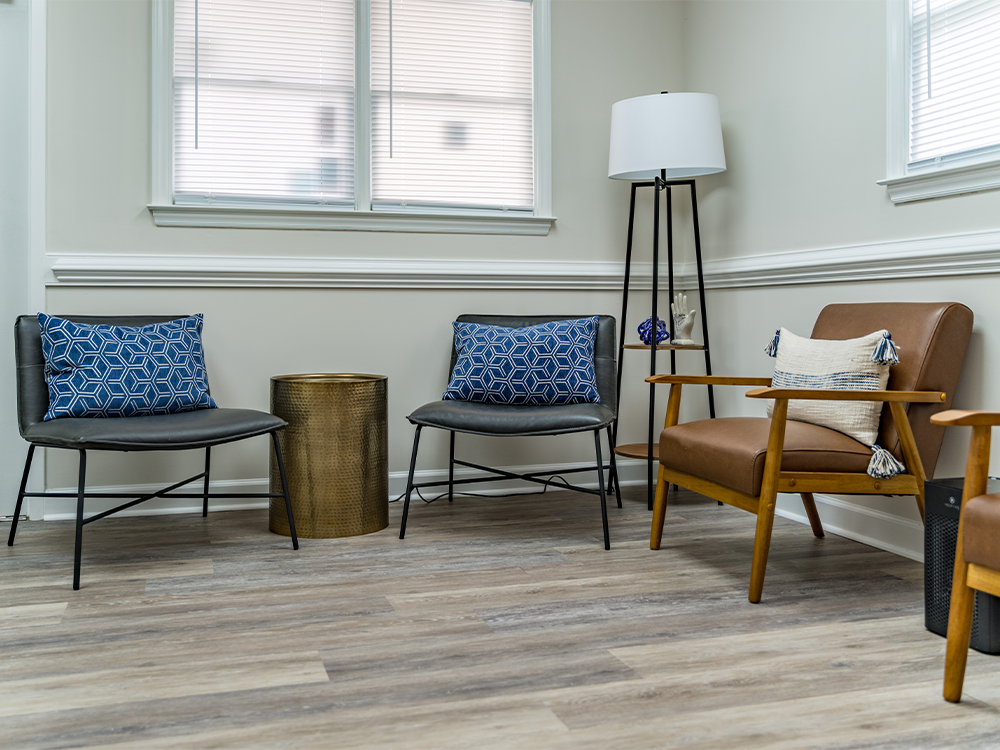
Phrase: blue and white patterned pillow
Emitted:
{"points": [[549, 363], [119, 371]]}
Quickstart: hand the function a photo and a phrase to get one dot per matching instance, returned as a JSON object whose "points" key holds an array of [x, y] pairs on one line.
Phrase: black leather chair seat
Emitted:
{"points": [[189, 429], [512, 420]]}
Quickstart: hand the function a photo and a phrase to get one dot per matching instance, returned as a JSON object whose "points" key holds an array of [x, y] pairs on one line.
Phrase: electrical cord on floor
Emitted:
{"points": [[551, 480]]}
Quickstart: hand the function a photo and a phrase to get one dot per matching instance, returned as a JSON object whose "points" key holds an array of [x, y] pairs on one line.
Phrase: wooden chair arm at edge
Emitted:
{"points": [[964, 418], [707, 380], [814, 394]]}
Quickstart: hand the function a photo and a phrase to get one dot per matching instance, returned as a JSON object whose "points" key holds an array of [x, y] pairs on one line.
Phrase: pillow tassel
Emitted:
{"points": [[772, 348], [885, 351], [883, 464]]}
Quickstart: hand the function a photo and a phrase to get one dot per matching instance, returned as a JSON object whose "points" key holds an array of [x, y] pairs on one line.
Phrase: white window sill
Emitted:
{"points": [[964, 179], [294, 217]]}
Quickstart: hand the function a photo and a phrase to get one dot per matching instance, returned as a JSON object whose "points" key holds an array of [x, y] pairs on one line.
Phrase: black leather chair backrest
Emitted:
{"points": [[604, 346], [32, 392]]}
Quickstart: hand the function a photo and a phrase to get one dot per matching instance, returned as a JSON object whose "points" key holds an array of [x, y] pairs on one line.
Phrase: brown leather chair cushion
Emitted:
{"points": [[981, 531], [731, 451]]}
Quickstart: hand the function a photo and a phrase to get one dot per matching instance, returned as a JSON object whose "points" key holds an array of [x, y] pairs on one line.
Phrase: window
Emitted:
{"points": [[451, 104], [944, 105], [263, 101], [406, 115]]}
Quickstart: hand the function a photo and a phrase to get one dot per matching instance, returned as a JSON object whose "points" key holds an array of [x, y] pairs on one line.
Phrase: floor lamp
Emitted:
{"points": [[663, 141]]}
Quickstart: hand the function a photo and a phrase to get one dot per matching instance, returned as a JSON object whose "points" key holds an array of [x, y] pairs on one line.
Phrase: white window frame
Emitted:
{"points": [[167, 214], [929, 182]]}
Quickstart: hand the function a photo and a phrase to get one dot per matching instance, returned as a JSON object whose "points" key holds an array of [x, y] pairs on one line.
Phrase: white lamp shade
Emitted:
{"points": [[679, 133]]}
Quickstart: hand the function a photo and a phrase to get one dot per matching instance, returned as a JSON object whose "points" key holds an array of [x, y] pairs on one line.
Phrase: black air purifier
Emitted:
{"points": [[942, 505]]}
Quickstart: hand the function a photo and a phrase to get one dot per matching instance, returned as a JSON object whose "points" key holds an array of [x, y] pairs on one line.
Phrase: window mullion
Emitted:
{"points": [[362, 106]]}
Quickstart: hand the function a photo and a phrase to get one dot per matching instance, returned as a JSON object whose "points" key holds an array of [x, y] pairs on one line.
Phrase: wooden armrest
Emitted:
{"points": [[960, 417], [707, 380], [814, 394]]}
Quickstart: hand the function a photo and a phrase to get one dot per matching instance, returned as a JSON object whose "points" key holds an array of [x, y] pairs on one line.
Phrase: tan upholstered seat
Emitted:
{"points": [[733, 450], [746, 461], [981, 531]]}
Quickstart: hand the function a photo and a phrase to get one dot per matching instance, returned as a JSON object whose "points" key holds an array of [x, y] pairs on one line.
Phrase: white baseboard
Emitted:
{"points": [[901, 536], [64, 508], [876, 528], [630, 472]]}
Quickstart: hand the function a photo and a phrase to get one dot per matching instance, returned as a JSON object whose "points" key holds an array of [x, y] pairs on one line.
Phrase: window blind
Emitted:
{"points": [[274, 119], [955, 79], [452, 99]]}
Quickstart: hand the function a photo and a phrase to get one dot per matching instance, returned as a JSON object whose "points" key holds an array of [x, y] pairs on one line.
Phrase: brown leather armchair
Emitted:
{"points": [[747, 461], [977, 556]]}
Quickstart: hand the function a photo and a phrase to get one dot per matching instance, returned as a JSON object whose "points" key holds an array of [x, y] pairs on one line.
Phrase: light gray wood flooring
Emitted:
{"points": [[497, 623]]}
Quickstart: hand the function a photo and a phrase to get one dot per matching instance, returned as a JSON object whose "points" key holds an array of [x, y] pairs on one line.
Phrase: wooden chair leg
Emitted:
{"points": [[810, 506], [963, 600], [761, 547], [659, 511], [660, 500], [910, 453], [768, 497], [919, 497]]}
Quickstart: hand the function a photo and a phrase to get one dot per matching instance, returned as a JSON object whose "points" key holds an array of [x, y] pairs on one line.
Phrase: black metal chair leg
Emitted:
{"points": [[600, 485], [409, 482], [77, 554], [208, 466], [20, 495], [611, 447], [284, 489], [451, 468], [613, 474]]}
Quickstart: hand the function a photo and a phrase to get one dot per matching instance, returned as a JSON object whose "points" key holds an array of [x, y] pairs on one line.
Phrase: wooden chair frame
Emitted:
{"points": [[775, 480], [969, 577]]}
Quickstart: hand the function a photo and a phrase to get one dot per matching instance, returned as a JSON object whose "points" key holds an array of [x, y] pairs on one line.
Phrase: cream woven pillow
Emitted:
{"points": [[853, 364]]}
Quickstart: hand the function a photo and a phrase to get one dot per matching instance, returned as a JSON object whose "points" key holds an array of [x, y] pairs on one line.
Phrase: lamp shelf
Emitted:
{"points": [[672, 347], [638, 450]]}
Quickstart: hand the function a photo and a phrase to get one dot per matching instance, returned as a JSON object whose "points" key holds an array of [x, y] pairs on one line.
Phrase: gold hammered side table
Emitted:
{"points": [[335, 450]]}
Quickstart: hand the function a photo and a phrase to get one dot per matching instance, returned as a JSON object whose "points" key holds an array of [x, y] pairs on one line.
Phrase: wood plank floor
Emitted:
{"points": [[497, 623]]}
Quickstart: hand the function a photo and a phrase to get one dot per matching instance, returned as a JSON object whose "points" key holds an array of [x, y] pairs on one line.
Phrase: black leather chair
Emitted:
{"points": [[526, 419], [201, 428]]}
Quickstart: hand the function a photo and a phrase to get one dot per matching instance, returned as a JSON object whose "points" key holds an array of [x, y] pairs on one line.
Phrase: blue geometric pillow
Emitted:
{"points": [[118, 371], [549, 363]]}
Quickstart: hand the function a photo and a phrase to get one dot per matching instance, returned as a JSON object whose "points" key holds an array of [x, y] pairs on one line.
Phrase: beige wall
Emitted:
{"points": [[99, 172], [802, 92], [14, 210]]}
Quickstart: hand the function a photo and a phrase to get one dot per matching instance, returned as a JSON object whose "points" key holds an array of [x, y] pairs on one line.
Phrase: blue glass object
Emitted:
{"points": [[645, 328]]}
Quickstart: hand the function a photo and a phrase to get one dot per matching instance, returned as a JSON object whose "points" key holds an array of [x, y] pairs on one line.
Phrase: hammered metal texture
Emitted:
{"points": [[335, 451]]}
